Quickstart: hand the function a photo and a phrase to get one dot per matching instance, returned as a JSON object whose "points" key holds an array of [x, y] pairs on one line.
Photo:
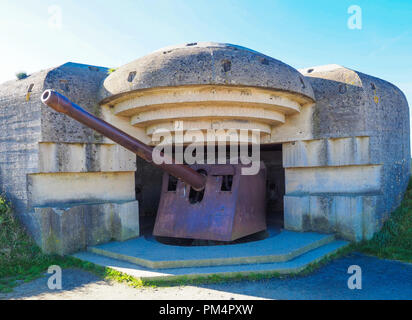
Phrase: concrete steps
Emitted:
{"points": [[281, 253], [149, 253]]}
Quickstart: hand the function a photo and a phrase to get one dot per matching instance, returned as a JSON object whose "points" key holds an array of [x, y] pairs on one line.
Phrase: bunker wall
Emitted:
{"points": [[69, 186], [354, 171]]}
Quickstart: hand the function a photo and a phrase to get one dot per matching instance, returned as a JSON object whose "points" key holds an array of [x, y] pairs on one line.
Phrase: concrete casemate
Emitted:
{"points": [[344, 140]]}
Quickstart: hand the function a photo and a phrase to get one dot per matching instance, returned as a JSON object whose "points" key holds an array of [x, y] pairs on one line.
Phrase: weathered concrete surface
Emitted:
{"points": [[69, 229], [53, 188], [288, 267], [205, 63], [351, 217], [327, 152], [84, 157], [332, 186], [66, 186], [204, 107], [25, 122], [20, 123], [278, 247], [208, 86], [80, 83], [358, 123], [346, 179]]}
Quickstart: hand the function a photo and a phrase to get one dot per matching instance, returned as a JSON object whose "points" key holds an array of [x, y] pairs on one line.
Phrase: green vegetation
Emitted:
{"points": [[21, 260], [111, 70], [394, 241], [21, 75]]}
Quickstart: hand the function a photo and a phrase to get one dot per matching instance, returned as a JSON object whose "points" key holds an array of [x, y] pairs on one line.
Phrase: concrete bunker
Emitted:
{"points": [[337, 138]]}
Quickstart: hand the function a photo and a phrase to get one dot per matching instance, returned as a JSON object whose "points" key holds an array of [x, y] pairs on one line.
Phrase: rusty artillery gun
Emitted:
{"points": [[201, 201]]}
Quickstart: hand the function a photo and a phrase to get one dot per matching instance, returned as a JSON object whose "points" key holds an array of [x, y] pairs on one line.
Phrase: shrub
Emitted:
{"points": [[21, 75], [17, 249]]}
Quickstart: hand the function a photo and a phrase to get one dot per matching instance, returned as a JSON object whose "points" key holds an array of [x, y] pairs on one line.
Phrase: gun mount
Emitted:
{"points": [[208, 202]]}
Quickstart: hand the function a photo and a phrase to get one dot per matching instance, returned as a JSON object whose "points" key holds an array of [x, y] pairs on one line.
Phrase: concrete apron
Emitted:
{"points": [[286, 252]]}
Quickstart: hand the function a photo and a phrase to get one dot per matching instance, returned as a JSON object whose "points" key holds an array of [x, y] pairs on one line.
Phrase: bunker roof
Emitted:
{"points": [[205, 63]]}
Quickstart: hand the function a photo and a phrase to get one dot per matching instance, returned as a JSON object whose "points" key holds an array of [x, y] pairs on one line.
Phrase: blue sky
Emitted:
{"points": [[300, 33]]}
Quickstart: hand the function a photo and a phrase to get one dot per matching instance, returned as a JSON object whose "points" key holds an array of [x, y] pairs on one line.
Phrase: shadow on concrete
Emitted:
{"points": [[381, 280]]}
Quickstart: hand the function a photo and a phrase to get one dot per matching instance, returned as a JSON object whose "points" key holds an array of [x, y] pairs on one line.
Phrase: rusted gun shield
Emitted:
{"points": [[230, 207]]}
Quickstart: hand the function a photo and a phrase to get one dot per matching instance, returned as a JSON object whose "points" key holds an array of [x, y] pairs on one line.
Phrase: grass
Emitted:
{"points": [[21, 260], [111, 70], [394, 240]]}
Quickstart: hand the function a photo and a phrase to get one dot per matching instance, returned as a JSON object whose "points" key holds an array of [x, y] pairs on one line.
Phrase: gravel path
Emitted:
{"points": [[381, 279]]}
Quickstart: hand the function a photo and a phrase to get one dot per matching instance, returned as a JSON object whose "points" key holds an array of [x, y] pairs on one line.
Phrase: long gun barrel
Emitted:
{"points": [[62, 104]]}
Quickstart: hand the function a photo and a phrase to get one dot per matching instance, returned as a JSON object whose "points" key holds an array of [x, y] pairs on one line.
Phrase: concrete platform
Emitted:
{"points": [[146, 274], [278, 247], [282, 252]]}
